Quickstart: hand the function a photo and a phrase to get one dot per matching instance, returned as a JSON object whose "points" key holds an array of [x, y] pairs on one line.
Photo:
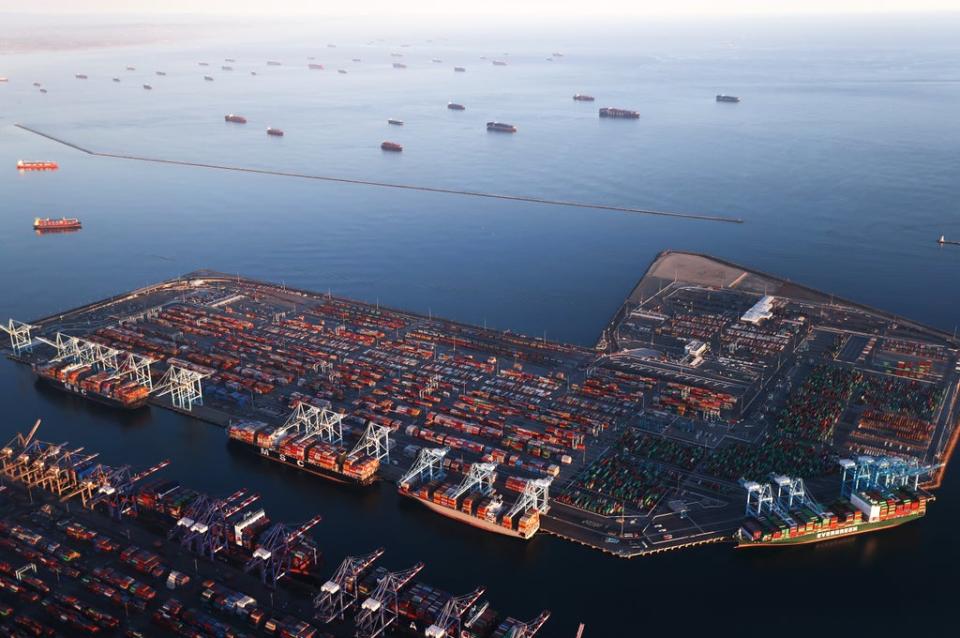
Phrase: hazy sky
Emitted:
{"points": [[552, 8]]}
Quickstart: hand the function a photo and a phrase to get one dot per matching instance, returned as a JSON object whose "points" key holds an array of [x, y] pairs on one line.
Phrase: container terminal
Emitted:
{"points": [[719, 404], [88, 549]]}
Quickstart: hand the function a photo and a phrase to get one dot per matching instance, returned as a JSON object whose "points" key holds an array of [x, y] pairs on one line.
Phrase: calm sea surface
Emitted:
{"points": [[843, 159]]}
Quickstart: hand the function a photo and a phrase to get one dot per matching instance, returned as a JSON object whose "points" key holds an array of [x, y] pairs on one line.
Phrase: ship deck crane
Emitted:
{"points": [[448, 622], [535, 495], [20, 338], [480, 478], [380, 609], [273, 555], [429, 462], [340, 593]]}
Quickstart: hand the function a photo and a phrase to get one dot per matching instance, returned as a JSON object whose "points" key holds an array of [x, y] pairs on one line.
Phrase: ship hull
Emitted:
{"points": [[829, 535], [304, 466], [470, 520], [92, 396]]}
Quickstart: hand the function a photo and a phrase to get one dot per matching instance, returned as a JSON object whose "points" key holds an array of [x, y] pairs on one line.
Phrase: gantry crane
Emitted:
{"points": [[20, 338], [273, 555], [184, 386], [381, 608], [882, 473], [527, 629], [429, 462], [535, 495], [792, 493], [479, 478], [203, 527], [375, 442], [448, 622], [340, 593], [116, 488]]}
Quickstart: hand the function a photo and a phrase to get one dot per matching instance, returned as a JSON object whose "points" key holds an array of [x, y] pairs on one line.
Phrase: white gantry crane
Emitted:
{"points": [[183, 385], [308, 420], [429, 462], [380, 609], [375, 442], [535, 495], [340, 593], [479, 479], [20, 338], [759, 498], [448, 623]]}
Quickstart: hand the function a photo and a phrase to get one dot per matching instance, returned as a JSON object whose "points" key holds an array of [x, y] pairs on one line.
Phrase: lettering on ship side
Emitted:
{"points": [[838, 532]]}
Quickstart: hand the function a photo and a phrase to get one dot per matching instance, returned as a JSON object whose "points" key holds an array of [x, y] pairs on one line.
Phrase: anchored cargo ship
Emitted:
{"points": [[499, 63], [64, 223], [100, 386], [274, 63], [453, 106], [148, 87], [208, 78], [36, 166], [274, 131], [619, 113], [399, 65], [395, 122], [236, 119], [580, 97], [308, 453], [459, 69], [501, 127], [315, 67], [391, 146], [727, 98], [81, 76]]}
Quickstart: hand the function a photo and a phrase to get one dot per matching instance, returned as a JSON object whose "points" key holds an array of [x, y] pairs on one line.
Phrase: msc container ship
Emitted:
{"points": [[308, 453], [100, 386], [865, 511], [486, 511]]}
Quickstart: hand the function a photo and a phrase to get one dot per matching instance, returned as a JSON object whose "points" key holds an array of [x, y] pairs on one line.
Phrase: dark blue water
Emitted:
{"points": [[842, 160]]}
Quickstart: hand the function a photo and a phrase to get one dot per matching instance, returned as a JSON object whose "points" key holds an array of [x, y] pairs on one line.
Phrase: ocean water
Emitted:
{"points": [[841, 160]]}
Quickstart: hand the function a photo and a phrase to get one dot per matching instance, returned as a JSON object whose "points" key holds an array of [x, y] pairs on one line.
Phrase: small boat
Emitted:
{"points": [[43, 90], [274, 63], [453, 106], [161, 72], [64, 223], [236, 119], [315, 67], [391, 146], [557, 55], [274, 131], [399, 65], [148, 87], [208, 78], [203, 63], [342, 71], [253, 72], [581, 97], [728, 98], [499, 63], [131, 68], [356, 60], [80, 76], [437, 61], [395, 122], [35, 83], [226, 68], [459, 69]]}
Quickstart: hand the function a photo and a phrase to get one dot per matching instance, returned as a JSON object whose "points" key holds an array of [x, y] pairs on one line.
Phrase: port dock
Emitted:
{"points": [[707, 375]]}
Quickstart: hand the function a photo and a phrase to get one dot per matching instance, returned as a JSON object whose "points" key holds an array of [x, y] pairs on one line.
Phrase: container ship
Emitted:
{"points": [[391, 146], [473, 501], [100, 386], [116, 79], [501, 127], [226, 68], [580, 97], [727, 98], [161, 73], [64, 223], [619, 113], [274, 131], [308, 453], [342, 71], [236, 119], [800, 520], [131, 68], [203, 63], [36, 166], [453, 106]]}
